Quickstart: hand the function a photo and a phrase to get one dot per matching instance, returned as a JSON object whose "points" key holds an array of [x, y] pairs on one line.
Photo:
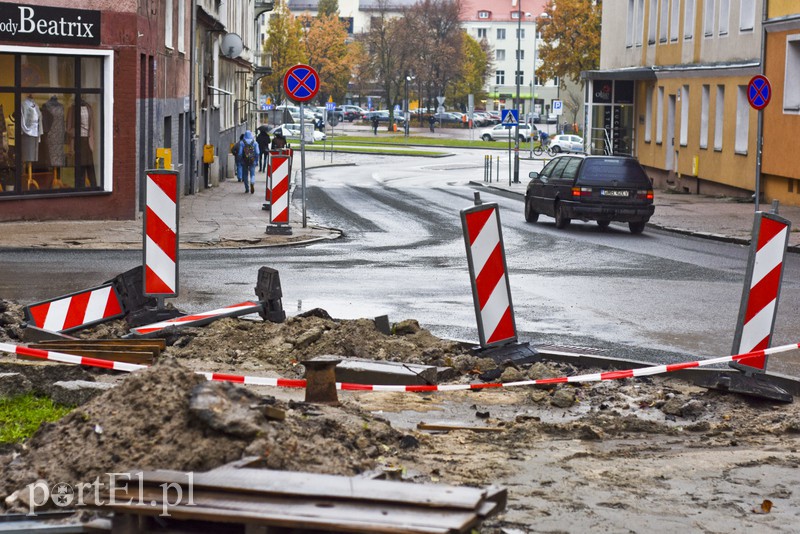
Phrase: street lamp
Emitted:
{"points": [[516, 102], [408, 111]]}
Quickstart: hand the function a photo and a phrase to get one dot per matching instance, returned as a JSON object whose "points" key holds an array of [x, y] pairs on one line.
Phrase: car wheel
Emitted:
{"points": [[531, 215], [603, 224], [522, 138], [636, 227], [561, 218], [486, 137], [556, 149]]}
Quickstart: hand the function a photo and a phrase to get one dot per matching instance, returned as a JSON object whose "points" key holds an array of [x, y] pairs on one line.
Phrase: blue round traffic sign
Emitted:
{"points": [[301, 83], [759, 92]]}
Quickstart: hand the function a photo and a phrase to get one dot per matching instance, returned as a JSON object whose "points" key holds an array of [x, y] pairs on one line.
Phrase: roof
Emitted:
{"points": [[500, 10]]}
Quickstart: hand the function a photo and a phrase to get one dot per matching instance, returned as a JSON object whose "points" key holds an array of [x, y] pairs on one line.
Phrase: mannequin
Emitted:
{"points": [[55, 131], [31, 125], [85, 137]]}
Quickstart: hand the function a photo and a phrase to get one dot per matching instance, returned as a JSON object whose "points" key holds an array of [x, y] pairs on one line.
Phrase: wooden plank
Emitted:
{"points": [[160, 344], [154, 352], [452, 426], [290, 483]]}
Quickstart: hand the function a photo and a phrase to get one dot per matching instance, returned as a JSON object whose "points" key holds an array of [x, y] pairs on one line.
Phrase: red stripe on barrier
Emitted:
{"points": [[227, 378], [281, 188], [161, 234], [769, 229], [356, 387], [505, 328], [39, 314], [490, 275], [113, 306], [559, 380], [154, 283], [678, 366], [486, 386], [759, 359], [289, 383], [422, 388], [165, 182], [76, 311], [282, 216], [475, 223], [615, 375], [764, 292]]}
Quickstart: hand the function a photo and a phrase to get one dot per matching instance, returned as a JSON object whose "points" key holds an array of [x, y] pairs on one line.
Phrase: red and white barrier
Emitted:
{"points": [[762, 286], [161, 234], [299, 383], [199, 319], [491, 292], [280, 168], [77, 310]]}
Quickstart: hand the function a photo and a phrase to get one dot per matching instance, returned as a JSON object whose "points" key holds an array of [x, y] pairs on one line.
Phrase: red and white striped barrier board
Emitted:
{"points": [[762, 286], [280, 168], [199, 319], [161, 234], [488, 273], [299, 383], [77, 310]]}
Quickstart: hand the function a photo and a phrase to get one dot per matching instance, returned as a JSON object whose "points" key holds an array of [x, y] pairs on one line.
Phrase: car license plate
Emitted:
{"points": [[613, 193]]}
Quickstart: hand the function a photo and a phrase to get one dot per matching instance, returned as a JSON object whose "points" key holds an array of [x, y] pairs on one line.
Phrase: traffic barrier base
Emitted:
{"points": [[268, 290], [516, 353], [756, 384]]}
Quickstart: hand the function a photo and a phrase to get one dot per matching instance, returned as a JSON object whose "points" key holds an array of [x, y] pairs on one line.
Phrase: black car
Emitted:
{"points": [[591, 188]]}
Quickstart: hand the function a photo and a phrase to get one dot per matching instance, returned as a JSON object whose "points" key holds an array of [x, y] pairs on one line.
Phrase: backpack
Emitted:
{"points": [[249, 154], [235, 148]]}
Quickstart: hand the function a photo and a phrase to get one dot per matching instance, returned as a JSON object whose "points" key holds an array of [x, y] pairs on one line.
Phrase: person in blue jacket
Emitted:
{"points": [[248, 155]]}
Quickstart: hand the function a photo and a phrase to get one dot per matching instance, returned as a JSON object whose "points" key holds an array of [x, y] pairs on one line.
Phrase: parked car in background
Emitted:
{"points": [[495, 117], [294, 111], [499, 132], [349, 113], [448, 117], [383, 116], [591, 188], [552, 118], [292, 131], [566, 143]]}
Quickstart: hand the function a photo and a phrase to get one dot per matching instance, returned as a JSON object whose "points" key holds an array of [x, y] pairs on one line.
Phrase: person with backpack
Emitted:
{"points": [[248, 152], [237, 161], [263, 146]]}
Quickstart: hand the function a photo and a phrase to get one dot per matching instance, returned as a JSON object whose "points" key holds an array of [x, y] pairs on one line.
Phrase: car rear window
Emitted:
{"points": [[604, 170]]}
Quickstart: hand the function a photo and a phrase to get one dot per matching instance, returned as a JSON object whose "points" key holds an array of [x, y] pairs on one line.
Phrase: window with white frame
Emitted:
{"points": [[652, 22], [663, 26], [684, 138], [500, 77], [482, 33], [168, 14], [719, 117], [629, 26], [791, 85], [501, 33], [708, 18], [537, 80], [648, 116], [500, 55], [660, 116], [520, 33], [515, 15], [675, 19], [724, 16], [747, 15], [520, 77], [520, 54], [742, 120], [182, 27], [638, 29], [483, 14], [704, 116], [688, 20]]}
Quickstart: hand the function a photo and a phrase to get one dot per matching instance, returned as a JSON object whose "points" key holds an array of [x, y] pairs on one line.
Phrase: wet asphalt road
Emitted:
{"points": [[656, 296]]}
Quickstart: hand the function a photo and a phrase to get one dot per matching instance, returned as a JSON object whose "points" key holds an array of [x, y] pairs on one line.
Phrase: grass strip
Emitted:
{"points": [[21, 416], [366, 149]]}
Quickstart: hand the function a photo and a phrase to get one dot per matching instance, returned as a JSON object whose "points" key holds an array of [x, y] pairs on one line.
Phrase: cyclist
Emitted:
{"points": [[544, 138]]}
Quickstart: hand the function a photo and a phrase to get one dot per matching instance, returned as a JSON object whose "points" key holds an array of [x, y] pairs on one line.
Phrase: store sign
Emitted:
{"points": [[44, 24]]}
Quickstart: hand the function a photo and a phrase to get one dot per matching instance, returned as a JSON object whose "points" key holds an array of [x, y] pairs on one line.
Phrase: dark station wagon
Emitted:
{"points": [[591, 188]]}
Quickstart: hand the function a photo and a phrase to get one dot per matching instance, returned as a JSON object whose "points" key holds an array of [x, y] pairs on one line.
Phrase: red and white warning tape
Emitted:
{"points": [[290, 383]]}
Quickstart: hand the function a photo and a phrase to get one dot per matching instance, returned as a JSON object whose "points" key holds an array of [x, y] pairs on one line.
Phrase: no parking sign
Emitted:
{"points": [[301, 83]]}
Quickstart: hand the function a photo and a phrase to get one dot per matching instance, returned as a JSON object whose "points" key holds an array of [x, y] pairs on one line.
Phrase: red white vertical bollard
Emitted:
{"points": [[762, 287], [161, 235], [488, 272], [280, 168]]}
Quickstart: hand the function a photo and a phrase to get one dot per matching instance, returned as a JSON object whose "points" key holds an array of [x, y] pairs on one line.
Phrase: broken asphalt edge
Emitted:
{"points": [[702, 235]]}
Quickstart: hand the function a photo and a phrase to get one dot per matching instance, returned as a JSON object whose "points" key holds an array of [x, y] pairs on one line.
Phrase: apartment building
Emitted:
{"points": [[672, 91]]}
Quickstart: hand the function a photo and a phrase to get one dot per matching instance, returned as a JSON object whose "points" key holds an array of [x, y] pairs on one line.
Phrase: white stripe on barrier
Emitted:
{"points": [[485, 244], [57, 314], [497, 305], [161, 204], [160, 263], [96, 307], [756, 329], [768, 257]]}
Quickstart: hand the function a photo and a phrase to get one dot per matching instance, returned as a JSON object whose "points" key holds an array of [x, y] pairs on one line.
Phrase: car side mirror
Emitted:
{"points": [[533, 174]]}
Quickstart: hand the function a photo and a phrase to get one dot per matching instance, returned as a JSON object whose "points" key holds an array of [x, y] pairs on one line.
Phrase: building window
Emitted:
{"points": [[500, 77], [182, 27], [675, 20], [501, 33], [704, 116], [742, 120], [630, 25], [168, 15], [638, 30], [537, 81], [747, 15], [520, 54], [724, 16], [719, 117], [555, 81], [482, 33], [791, 86], [708, 18], [520, 77], [52, 123], [663, 26], [648, 116], [688, 20], [500, 55], [660, 116], [484, 14], [652, 22], [521, 33], [684, 139], [515, 15]]}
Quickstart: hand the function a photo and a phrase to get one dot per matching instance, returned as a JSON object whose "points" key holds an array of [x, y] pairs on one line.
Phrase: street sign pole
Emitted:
{"points": [[759, 93], [303, 158]]}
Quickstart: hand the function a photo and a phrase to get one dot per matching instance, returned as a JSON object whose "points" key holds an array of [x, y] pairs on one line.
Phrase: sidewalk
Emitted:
{"points": [[226, 217]]}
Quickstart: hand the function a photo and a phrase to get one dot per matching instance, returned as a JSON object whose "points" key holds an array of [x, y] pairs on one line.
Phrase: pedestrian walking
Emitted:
{"points": [[375, 125], [432, 122], [237, 161], [248, 152], [263, 146]]}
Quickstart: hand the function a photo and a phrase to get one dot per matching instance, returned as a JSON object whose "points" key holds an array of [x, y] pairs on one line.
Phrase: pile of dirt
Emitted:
{"points": [[172, 418], [11, 321]]}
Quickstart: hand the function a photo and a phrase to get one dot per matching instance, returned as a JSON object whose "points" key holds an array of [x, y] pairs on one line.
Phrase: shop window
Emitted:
{"points": [[704, 116], [742, 120], [791, 85], [684, 139], [719, 117]]}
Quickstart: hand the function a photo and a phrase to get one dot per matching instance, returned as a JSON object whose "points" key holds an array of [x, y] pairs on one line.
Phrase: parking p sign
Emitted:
{"points": [[557, 108]]}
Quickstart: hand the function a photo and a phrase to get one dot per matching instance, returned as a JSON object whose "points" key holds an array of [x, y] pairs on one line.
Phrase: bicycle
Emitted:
{"points": [[539, 150]]}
